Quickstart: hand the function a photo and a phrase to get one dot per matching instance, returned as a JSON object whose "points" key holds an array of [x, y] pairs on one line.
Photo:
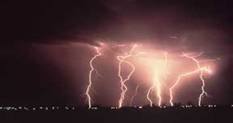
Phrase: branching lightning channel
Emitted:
{"points": [[159, 73], [157, 83], [198, 70], [98, 53], [122, 59], [203, 92]]}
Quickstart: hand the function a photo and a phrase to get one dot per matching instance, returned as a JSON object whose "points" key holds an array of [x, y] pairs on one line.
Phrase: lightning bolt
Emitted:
{"points": [[135, 93], [122, 59], [157, 85], [203, 92], [148, 95], [159, 77], [158, 90], [199, 69], [98, 53]]}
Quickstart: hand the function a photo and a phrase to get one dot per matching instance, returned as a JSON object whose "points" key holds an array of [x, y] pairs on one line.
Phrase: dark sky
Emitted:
{"points": [[36, 57]]}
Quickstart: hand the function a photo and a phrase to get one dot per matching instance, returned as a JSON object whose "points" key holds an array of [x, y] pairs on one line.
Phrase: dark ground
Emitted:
{"points": [[106, 115]]}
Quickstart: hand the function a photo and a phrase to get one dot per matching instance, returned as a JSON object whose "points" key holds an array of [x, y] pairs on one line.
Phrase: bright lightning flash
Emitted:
{"points": [[200, 70], [122, 59], [98, 53], [156, 68], [160, 70], [203, 92]]}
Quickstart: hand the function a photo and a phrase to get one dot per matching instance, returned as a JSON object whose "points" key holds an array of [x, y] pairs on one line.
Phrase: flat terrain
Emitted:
{"points": [[129, 115]]}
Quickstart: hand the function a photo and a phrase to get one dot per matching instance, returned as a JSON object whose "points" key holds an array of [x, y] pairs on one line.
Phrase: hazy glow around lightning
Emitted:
{"points": [[159, 72]]}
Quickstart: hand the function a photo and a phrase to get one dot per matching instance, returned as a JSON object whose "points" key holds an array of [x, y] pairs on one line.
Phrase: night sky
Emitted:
{"points": [[45, 45]]}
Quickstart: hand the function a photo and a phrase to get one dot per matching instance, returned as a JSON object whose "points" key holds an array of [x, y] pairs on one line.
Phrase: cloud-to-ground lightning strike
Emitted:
{"points": [[134, 95], [148, 95], [199, 69], [122, 59], [157, 84], [203, 92], [159, 74], [158, 89], [98, 53]]}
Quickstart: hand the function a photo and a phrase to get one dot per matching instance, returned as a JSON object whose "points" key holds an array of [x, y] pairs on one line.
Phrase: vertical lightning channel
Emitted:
{"points": [[98, 53], [203, 92], [148, 95], [134, 95], [122, 59], [157, 83], [158, 90], [198, 70]]}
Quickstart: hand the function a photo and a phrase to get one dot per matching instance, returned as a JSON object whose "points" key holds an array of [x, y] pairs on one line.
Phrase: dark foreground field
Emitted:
{"points": [[129, 115]]}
